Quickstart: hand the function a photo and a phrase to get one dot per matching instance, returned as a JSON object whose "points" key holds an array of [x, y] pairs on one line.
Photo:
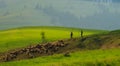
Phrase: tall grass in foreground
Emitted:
{"points": [[110, 57]]}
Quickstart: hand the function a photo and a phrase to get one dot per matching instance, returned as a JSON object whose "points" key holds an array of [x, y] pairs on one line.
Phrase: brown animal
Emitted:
{"points": [[14, 53], [48, 45], [36, 50], [67, 54], [13, 56], [61, 41], [22, 51], [6, 58], [31, 55], [38, 46], [56, 49]]}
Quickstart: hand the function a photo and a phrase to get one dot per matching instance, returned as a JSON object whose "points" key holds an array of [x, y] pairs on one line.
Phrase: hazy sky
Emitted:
{"points": [[91, 14]]}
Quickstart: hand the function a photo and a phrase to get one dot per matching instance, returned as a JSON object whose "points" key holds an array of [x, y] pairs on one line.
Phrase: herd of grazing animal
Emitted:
{"points": [[39, 49], [48, 48]]}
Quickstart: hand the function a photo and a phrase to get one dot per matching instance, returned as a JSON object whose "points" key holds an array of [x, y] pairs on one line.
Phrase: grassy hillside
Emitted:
{"points": [[107, 55], [20, 37], [110, 57]]}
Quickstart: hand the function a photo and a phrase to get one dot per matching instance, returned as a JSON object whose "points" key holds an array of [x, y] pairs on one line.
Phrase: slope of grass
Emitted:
{"points": [[20, 37], [110, 57]]}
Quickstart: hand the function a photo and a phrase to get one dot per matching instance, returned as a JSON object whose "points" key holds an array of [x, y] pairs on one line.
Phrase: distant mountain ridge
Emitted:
{"points": [[92, 14]]}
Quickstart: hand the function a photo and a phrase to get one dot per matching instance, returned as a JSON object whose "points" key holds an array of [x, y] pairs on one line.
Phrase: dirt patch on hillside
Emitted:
{"points": [[103, 41]]}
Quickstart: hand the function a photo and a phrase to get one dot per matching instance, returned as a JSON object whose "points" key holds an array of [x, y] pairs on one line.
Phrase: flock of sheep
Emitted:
{"points": [[31, 51]]}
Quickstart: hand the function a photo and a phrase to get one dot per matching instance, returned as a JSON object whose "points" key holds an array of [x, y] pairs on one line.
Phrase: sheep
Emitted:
{"points": [[67, 54]]}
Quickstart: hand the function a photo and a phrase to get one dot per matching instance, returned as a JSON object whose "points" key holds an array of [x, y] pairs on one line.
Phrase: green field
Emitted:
{"points": [[20, 37], [110, 57]]}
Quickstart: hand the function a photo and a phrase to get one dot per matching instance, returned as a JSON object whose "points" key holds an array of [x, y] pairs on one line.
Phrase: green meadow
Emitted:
{"points": [[109, 57], [21, 37]]}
